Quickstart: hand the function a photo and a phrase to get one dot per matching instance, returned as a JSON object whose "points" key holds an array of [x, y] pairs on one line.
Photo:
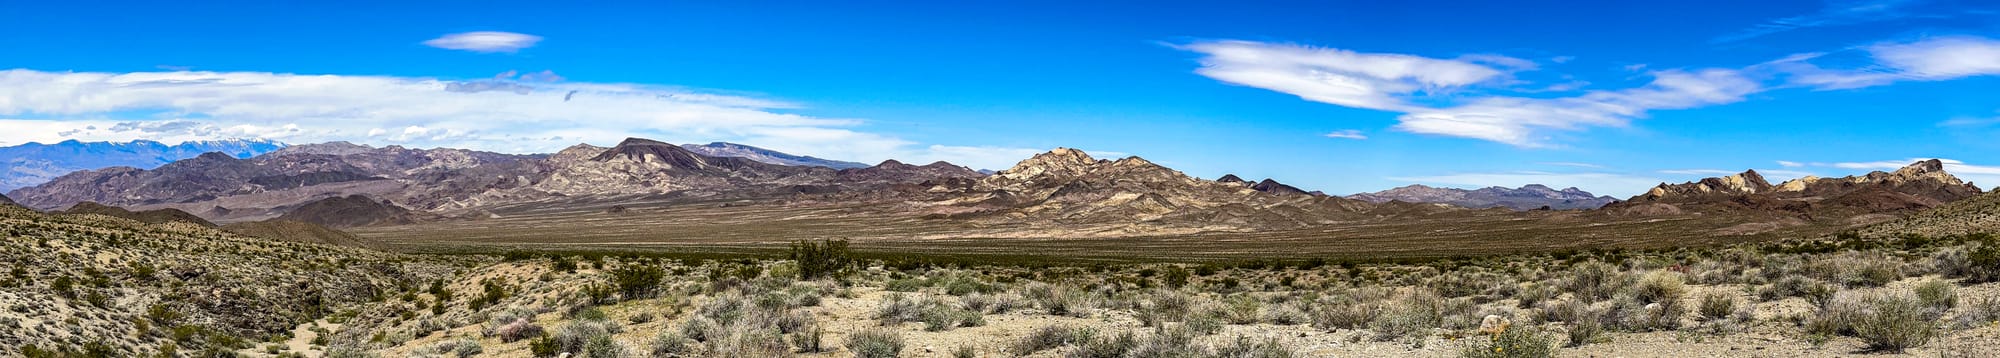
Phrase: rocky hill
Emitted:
{"points": [[1068, 188], [35, 163], [158, 216], [351, 211], [1919, 186], [733, 150], [1979, 214], [98, 285], [1529, 197]]}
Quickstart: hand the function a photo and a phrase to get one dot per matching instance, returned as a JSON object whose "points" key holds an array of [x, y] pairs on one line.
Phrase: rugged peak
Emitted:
{"points": [[1061, 161], [647, 150], [1538, 187], [577, 152], [1230, 178], [1065, 156], [1921, 168], [1133, 161]]}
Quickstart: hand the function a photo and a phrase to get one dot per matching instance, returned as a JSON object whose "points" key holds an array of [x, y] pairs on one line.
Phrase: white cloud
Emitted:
{"points": [[1790, 164], [484, 41], [1347, 134], [426, 112], [1387, 82], [1932, 59], [1969, 122], [1519, 121], [1336, 76], [1942, 58], [1613, 184]]}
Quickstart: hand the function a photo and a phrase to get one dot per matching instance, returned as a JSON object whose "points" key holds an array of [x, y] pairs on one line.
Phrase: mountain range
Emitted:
{"points": [[1060, 193], [1529, 197], [35, 163]]}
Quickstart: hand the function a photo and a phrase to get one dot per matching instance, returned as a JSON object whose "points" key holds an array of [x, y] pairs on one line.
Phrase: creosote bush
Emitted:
{"points": [[875, 343]]}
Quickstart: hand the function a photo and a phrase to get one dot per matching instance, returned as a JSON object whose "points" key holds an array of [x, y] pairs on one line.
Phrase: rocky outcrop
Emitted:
{"points": [[1919, 186], [1067, 187], [1528, 197]]}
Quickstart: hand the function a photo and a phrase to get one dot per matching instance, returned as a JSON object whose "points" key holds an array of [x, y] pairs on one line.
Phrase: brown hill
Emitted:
{"points": [[351, 211], [1979, 214], [159, 216], [297, 231]]}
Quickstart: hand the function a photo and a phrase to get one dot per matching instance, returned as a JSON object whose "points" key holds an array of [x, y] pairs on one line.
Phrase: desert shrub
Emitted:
{"points": [[1796, 286], [1206, 323], [810, 340], [577, 336], [747, 341], [1980, 312], [1510, 343], [1344, 315], [1983, 263], [905, 285], [1174, 277], [603, 347], [1594, 280], [1106, 346], [1895, 323], [1286, 314], [1717, 305], [875, 343], [700, 329], [519, 329], [1406, 321], [1584, 332], [964, 352], [638, 281], [1178, 342], [669, 344], [462, 347], [1937, 295], [1246, 348], [1242, 309], [1533, 294], [827, 258], [1049, 337], [1659, 287]]}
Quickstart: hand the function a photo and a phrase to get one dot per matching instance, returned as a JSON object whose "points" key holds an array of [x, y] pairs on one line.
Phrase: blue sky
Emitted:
{"points": [[1335, 96]]}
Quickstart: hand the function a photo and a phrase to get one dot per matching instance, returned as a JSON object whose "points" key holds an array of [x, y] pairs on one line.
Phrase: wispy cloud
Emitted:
{"points": [[1930, 59], [1790, 164], [1969, 122], [484, 41], [1835, 13], [1386, 81], [1347, 134], [496, 114], [1336, 76], [1393, 82]]}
